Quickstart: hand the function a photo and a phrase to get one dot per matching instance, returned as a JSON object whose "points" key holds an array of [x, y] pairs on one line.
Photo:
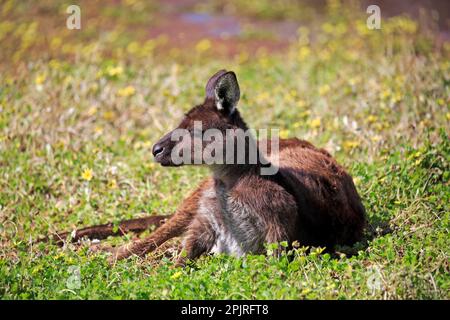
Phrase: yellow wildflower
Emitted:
{"points": [[305, 291], [91, 111], [284, 134], [297, 124], [323, 90], [203, 45], [288, 98], [325, 55], [98, 130], [375, 138], [133, 47], [55, 43], [417, 154], [315, 123], [114, 71], [176, 275], [351, 144], [40, 79], [87, 174], [242, 57], [264, 62], [263, 97], [54, 64], [127, 91], [385, 93], [59, 144], [301, 103], [304, 114], [109, 115], [67, 80], [372, 119], [328, 27], [147, 144], [112, 184], [303, 53], [353, 81]]}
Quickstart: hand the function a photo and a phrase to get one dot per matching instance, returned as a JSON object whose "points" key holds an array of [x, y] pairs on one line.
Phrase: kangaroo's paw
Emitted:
{"points": [[124, 251]]}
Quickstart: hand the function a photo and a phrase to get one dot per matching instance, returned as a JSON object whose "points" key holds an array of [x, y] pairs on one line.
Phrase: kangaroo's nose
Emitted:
{"points": [[157, 149]]}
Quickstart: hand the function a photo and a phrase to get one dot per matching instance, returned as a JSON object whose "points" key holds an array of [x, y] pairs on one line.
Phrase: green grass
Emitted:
{"points": [[377, 100]]}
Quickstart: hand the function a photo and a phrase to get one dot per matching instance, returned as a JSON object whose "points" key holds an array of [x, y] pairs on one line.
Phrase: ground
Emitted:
{"points": [[80, 110]]}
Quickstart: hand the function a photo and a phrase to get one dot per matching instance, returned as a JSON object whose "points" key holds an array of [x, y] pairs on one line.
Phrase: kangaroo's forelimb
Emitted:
{"points": [[174, 227]]}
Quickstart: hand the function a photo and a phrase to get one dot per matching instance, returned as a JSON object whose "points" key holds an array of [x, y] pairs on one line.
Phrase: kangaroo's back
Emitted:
{"points": [[329, 208]]}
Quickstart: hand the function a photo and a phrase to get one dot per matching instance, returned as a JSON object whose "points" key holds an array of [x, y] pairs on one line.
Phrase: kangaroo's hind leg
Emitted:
{"points": [[199, 240], [174, 227]]}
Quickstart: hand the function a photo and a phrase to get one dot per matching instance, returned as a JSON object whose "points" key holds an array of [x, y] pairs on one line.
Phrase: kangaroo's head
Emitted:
{"points": [[203, 125]]}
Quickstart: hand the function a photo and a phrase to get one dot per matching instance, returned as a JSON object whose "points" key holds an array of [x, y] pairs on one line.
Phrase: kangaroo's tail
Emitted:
{"points": [[103, 231]]}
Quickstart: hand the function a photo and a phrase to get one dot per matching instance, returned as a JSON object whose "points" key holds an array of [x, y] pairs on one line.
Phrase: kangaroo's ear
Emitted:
{"points": [[223, 88]]}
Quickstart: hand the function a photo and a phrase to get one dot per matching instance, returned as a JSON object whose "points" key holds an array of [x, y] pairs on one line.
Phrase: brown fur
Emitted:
{"points": [[311, 199]]}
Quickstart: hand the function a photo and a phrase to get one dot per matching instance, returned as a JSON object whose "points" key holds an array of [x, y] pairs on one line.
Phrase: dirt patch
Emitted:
{"points": [[225, 35]]}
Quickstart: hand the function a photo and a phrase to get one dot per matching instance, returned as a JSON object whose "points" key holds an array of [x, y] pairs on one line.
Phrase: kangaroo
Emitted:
{"points": [[310, 199]]}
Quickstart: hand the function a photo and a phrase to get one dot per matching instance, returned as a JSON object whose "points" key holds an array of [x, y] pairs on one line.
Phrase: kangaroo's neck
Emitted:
{"points": [[246, 160], [237, 120], [230, 174]]}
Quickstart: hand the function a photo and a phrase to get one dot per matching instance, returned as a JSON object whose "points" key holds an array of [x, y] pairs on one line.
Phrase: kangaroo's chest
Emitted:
{"points": [[236, 224]]}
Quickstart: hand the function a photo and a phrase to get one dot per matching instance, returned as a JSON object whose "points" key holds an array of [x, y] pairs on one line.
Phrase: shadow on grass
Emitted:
{"points": [[376, 227]]}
